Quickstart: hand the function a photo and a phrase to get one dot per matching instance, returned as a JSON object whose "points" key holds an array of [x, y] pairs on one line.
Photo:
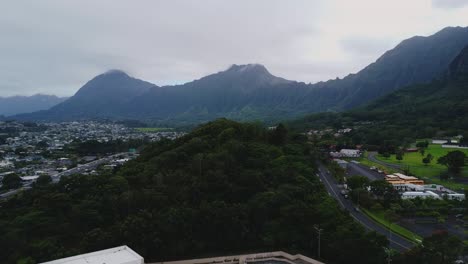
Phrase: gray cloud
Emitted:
{"points": [[54, 46], [449, 3], [365, 46]]}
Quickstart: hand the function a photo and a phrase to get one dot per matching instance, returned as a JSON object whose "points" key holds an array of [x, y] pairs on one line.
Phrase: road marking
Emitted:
{"points": [[362, 223], [339, 200], [325, 178]]}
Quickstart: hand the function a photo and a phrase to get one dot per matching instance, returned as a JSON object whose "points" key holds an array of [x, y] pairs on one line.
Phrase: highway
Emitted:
{"points": [[79, 169], [396, 241], [84, 167]]}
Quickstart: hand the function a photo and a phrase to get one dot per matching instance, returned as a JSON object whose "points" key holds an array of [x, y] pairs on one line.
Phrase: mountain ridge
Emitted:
{"points": [[18, 104], [251, 92]]}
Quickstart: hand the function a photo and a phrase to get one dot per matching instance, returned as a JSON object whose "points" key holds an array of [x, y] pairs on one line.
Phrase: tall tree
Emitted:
{"points": [[426, 160], [440, 248], [11, 181], [454, 160], [399, 155]]}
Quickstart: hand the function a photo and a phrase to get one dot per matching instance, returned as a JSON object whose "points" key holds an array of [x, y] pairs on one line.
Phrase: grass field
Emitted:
{"points": [[369, 163], [432, 171], [379, 218], [153, 129]]}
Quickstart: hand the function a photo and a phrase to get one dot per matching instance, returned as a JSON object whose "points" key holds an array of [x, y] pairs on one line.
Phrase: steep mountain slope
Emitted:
{"points": [[442, 103], [26, 104], [102, 97], [417, 111], [250, 92], [241, 92], [415, 60]]}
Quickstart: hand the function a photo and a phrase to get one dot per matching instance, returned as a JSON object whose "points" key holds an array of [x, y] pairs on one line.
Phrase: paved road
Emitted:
{"points": [[84, 167], [371, 157], [396, 241], [12, 192], [56, 178], [358, 169]]}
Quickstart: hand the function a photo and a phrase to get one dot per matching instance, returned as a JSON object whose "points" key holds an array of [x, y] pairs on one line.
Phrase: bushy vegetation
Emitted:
{"points": [[224, 188], [94, 147], [398, 119]]}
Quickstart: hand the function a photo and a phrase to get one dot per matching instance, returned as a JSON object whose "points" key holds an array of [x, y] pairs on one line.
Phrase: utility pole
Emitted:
{"points": [[319, 232]]}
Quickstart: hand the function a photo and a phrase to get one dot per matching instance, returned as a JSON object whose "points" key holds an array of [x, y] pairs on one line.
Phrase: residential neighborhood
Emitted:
{"points": [[30, 150]]}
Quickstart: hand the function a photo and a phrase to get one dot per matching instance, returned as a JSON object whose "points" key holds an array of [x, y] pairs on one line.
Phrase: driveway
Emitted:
{"points": [[372, 157]]}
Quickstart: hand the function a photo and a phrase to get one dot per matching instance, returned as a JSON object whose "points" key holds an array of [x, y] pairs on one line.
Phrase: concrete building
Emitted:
{"points": [[401, 179], [117, 255], [455, 196], [276, 257], [350, 153], [346, 153], [439, 141], [422, 195], [125, 255], [29, 178]]}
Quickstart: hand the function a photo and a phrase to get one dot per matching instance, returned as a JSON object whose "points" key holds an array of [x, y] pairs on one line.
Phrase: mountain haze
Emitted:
{"points": [[416, 111], [250, 92], [26, 104]]}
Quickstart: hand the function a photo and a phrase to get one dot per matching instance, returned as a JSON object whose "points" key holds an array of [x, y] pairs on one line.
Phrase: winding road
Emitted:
{"points": [[397, 242], [371, 157]]}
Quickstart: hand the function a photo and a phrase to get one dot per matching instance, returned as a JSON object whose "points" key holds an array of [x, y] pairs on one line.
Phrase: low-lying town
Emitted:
{"points": [[30, 150]]}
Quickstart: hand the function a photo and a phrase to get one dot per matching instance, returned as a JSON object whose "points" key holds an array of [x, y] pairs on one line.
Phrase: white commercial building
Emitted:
{"points": [[439, 141], [29, 178], [117, 255], [350, 153], [423, 195], [455, 196]]}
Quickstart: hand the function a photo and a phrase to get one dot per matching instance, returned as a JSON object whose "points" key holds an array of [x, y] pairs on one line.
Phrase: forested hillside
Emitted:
{"points": [[419, 111], [224, 188]]}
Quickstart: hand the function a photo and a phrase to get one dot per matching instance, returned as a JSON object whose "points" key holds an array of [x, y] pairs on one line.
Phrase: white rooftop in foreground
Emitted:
{"points": [[117, 255]]}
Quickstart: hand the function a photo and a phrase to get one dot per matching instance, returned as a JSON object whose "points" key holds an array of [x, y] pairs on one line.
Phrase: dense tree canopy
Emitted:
{"points": [[454, 160], [224, 188], [11, 181]]}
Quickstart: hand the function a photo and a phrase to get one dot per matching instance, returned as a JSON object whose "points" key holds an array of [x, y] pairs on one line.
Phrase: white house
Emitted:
{"points": [[350, 153], [6, 164]]}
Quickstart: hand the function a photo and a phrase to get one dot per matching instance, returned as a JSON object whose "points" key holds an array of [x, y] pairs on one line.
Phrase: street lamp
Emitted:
{"points": [[319, 231]]}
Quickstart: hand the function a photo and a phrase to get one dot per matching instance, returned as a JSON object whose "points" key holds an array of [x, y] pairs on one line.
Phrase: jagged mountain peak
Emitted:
{"points": [[253, 67], [253, 73], [113, 73]]}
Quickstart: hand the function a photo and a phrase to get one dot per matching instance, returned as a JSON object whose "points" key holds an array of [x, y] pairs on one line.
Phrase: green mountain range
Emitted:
{"points": [[250, 92], [438, 108]]}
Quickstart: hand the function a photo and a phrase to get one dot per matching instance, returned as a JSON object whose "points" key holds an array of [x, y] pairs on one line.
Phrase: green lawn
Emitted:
{"points": [[153, 129], [379, 218], [432, 171]]}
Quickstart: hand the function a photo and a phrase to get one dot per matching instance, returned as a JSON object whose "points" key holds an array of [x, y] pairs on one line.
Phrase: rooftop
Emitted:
{"points": [[117, 255]]}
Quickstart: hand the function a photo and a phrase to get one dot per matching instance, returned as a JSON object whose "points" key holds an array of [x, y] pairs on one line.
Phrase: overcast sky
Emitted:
{"points": [[54, 47]]}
